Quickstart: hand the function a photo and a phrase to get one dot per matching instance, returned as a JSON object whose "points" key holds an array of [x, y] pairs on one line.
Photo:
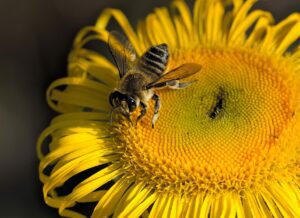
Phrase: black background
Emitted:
{"points": [[35, 38]]}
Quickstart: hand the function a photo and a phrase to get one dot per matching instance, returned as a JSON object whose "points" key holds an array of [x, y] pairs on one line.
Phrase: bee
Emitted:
{"points": [[140, 77]]}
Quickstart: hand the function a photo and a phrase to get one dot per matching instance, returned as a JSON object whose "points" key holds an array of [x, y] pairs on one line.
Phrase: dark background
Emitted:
{"points": [[35, 38]]}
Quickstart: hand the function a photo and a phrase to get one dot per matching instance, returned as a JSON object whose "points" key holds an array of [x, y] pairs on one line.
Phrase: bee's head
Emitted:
{"points": [[118, 99]]}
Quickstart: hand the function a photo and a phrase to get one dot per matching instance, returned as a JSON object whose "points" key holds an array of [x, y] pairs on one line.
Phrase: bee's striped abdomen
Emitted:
{"points": [[155, 60]]}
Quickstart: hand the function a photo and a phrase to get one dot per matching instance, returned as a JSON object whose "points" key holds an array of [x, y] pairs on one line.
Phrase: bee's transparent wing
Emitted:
{"points": [[122, 52], [181, 72]]}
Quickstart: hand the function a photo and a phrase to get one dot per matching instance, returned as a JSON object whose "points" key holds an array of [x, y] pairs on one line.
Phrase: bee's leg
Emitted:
{"points": [[127, 116], [143, 111], [175, 84], [157, 106]]}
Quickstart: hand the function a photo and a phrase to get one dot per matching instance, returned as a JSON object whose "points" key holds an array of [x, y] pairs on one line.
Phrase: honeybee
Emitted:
{"points": [[139, 77]]}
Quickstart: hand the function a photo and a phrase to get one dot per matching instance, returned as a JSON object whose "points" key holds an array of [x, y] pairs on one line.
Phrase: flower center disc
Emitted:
{"points": [[213, 133]]}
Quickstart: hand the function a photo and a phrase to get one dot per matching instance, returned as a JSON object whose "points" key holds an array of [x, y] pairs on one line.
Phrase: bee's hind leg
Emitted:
{"points": [[176, 84], [143, 111], [157, 106]]}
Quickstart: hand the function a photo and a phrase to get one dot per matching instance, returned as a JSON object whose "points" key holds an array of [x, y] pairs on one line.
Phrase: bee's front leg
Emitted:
{"points": [[143, 111], [157, 106], [126, 115]]}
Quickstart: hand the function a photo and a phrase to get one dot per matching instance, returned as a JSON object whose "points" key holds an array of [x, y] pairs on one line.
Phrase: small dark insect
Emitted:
{"points": [[218, 106], [139, 77]]}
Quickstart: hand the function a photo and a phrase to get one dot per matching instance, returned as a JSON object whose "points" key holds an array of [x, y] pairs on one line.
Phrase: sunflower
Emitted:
{"points": [[227, 146]]}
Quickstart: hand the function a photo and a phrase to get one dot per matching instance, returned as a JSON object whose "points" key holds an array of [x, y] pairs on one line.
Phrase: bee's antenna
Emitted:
{"points": [[111, 114]]}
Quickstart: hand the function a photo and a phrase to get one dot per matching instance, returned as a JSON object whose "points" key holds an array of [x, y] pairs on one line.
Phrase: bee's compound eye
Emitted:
{"points": [[131, 104], [115, 97], [111, 97]]}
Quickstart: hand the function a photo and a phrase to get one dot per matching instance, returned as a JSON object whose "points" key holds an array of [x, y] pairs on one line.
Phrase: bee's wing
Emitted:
{"points": [[122, 52], [181, 72]]}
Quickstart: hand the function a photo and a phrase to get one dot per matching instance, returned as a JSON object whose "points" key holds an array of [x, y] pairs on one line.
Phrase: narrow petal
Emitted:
{"points": [[216, 207], [128, 197], [83, 57], [238, 205], [166, 26], [268, 199], [237, 4], [290, 35], [108, 202], [260, 33], [105, 17], [91, 184], [189, 203], [92, 67], [90, 130], [91, 116], [73, 97], [197, 203], [263, 206], [143, 36], [82, 97], [206, 206], [285, 200], [167, 209], [228, 206], [238, 34], [182, 205], [93, 196], [85, 32], [135, 202], [181, 33], [200, 11], [159, 206], [182, 9], [142, 207], [172, 206], [241, 11], [214, 23], [69, 213], [253, 205], [155, 30], [62, 174], [183, 23]]}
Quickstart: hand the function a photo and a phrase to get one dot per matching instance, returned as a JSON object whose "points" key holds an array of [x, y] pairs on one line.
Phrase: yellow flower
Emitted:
{"points": [[238, 160]]}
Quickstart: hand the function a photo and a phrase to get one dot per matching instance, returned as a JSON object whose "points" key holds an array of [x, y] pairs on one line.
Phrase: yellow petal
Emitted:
{"points": [[105, 17], [108, 202]]}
